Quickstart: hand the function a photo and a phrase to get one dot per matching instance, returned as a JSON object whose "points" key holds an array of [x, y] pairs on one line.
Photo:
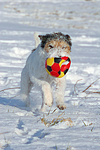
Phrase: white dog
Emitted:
{"points": [[34, 73]]}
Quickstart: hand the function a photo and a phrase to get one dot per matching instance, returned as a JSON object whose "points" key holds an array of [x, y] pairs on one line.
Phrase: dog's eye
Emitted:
{"points": [[64, 47], [50, 46]]}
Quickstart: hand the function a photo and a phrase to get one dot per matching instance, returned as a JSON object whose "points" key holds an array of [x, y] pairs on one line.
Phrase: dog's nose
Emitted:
{"points": [[59, 56]]}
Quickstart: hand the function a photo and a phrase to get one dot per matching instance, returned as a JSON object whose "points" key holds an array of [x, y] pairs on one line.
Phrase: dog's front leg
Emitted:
{"points": [[47, 98], [46, 95], [59, 92]]}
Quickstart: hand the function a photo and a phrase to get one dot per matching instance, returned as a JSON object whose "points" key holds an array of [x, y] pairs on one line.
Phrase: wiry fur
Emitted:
{"points": [[48, 37], [34, 73]]}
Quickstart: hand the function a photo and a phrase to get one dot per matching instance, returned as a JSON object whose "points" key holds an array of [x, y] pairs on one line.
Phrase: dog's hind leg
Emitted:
{"points": [[26, 86]]}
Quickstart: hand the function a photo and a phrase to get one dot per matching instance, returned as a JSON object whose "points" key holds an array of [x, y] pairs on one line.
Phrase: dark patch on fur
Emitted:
{"points": [[33, 50], [55, 36]]}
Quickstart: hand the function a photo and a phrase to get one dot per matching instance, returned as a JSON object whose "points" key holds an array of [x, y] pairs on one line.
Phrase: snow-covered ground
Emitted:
{"points": [[77, 127]]}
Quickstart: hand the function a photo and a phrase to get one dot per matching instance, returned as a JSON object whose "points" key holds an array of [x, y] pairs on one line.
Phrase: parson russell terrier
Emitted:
{"points": [[34, 73]]}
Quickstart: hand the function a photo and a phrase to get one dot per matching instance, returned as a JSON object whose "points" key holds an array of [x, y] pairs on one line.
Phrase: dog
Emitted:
{"points": [[34, 73]]}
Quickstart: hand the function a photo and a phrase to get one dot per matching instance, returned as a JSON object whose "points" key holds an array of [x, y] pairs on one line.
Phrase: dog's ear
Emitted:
{"points": [[67, 36], [69, 40], [42, 37]]}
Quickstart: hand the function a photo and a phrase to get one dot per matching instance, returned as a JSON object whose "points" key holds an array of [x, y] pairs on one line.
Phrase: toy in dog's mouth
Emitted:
{"points": [[57, 66]]}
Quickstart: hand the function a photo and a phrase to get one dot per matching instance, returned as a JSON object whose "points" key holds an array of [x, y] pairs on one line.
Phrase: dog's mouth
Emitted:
{"points": [[57, 66]]}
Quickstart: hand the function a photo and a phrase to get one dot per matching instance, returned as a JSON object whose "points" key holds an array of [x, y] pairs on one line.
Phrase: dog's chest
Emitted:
{"points": [[37, 66]]}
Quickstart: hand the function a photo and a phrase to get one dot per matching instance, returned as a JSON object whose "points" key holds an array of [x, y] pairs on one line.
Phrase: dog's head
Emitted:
{"points": [[56, 44]]}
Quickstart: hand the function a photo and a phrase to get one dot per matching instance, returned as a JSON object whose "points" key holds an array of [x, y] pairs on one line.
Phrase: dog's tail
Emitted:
{"points": [[37, 40]]}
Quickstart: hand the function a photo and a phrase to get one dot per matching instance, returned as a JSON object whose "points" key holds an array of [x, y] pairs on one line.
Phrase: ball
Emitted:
{"points": [[57, 66]]}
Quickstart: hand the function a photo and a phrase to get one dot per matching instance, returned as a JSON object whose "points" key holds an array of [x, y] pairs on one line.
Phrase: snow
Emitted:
{"points": [[77, 127]]}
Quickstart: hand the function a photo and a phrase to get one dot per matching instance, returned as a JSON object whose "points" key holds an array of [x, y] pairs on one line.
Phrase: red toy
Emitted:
{"points": [[57, 66]]}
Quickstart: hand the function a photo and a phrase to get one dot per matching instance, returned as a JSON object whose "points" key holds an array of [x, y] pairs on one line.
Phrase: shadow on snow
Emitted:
{"points": [[14, 103]]}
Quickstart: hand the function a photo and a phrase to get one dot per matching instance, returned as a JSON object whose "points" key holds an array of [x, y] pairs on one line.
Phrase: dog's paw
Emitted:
{"points": [[61, 106], [43, 108], [49, 103], [25, 100]]}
